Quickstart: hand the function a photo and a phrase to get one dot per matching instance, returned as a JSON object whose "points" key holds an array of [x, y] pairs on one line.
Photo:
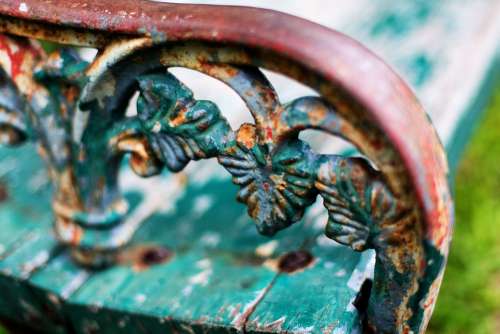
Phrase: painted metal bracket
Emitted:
{"points": [[396, 201]]}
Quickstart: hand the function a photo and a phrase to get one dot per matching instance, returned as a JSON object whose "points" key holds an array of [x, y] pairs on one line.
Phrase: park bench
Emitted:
{"points": [[336, 161]]}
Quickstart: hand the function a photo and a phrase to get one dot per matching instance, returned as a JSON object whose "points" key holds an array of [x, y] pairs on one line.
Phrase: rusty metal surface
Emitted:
{"points": [[371, 107], [343, 62]]}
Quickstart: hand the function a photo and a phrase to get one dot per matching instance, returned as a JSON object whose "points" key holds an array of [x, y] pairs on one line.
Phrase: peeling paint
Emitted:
{"points": [[23, 7]]}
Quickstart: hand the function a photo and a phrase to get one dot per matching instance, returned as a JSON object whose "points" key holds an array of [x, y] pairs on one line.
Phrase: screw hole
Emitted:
{"points": [[294, 261]]}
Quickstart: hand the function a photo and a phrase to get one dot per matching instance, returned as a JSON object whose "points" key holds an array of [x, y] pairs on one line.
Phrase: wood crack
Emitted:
{"points": [[241, 321]]}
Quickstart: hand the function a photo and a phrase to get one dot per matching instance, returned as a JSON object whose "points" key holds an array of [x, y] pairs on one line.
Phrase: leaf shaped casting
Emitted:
{"points": [[276, 188], [362, 211], [278, 179], [178, 127]]}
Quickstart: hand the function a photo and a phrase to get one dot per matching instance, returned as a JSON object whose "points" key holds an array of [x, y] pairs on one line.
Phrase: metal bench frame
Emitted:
{"points": [[75, 111]]}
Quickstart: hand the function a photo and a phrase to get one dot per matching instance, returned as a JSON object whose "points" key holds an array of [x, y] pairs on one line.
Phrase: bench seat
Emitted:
{"points": [[196, 261]]}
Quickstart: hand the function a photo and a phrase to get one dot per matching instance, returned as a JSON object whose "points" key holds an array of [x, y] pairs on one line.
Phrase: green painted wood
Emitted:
{"points": [[215, 276], [334, 280], [222, 275], [204, 267], [25, 237]]}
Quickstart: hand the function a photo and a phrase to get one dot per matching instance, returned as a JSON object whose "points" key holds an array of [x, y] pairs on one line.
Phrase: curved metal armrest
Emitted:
{"points": [[76, 111]]}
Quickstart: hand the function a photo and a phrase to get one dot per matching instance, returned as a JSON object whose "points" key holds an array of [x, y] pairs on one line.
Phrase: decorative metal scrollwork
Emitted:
{"points": [[75, 111], [83, 138], [278, 179]]}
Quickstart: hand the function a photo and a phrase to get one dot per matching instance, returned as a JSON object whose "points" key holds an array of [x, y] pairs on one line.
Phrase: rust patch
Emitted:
{"points": [[317, 115], [294, 261], [249, 259], [246, 135], [143, 160], [145, 256], [155, 255], [4, 193], [178, 119]]}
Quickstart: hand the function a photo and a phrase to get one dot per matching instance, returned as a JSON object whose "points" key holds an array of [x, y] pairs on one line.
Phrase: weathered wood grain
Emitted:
{"points": [[219, 271]]}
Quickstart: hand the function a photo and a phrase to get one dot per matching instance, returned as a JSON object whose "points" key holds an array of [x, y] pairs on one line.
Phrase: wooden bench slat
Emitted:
{"points": [[311, 300], [26, 238], [228, 244], [216, 280]]}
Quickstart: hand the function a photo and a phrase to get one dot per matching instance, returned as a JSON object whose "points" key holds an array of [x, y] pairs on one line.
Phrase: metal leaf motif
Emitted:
{"points": [[276, 188], [179, 128], [360, 207]]}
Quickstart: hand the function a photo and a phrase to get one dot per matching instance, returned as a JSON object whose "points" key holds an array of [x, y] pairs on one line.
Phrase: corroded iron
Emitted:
{"points": [[396, 203]]}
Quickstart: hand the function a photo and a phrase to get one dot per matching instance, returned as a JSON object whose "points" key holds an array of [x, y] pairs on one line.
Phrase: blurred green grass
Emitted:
{"points": [[469, 301]]}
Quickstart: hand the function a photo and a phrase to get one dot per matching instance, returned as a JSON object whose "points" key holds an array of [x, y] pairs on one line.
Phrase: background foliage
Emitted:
{"points": [[469, 301]]}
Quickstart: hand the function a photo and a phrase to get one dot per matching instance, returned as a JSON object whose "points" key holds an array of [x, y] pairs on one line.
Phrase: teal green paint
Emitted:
{"points": [[399, 21], [178, 127], [26, 236], [435, 264], [421, 67], [238, 275], [287, 306]]}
